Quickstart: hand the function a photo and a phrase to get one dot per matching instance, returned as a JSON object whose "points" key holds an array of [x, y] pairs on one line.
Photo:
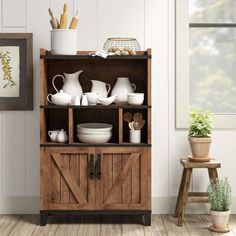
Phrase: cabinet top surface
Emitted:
{"points": [[141, 55]]}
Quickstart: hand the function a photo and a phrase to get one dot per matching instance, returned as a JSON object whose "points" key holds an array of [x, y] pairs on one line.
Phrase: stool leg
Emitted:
{"points": [[184, 197], [183, 192], [212, 172]]}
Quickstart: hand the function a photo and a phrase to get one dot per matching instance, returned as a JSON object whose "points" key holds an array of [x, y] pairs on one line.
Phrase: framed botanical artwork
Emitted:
{"points": [[16, 71]]}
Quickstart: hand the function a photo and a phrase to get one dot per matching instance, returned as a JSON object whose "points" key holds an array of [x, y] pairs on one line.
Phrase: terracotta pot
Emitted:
{"points": [[200, 147], [220, 219]]}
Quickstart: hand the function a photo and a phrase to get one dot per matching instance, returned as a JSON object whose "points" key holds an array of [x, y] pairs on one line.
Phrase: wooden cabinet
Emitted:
{"points": [[81, 178]]}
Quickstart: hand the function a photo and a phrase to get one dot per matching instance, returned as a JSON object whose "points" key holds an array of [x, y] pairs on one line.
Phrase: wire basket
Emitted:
{"points": [[130, 43]]}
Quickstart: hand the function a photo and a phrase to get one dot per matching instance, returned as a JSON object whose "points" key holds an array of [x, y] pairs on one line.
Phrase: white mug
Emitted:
{"points": [[92, 98]]}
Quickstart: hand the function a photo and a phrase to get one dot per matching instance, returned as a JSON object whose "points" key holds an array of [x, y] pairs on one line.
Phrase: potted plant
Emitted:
{"points": [[219, 195], [201, 125]]}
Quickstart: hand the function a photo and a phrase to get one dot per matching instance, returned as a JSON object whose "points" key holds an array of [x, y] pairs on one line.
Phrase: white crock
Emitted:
{"points": [[122, 88]]}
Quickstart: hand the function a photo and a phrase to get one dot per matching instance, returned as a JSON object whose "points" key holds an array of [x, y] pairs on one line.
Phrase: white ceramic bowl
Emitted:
{"points": [[91, 132], [135, 98], [95, 127], [94, 138], [107, 101], [136, 94]]}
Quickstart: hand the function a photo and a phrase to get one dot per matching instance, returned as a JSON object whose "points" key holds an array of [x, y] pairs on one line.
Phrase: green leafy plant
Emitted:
{"points": [[7, 69], [201, 123], [219, 194]]}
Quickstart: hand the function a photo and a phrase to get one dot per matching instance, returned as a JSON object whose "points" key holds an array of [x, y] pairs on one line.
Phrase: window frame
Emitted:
{"points": [[222, 121]]}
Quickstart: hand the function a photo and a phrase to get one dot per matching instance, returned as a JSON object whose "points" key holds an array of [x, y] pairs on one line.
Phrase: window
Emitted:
{"points": [[206, 59]]}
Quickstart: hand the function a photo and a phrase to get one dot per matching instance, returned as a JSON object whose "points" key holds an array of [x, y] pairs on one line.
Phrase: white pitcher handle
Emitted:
{"points": [[49, 133], [109, 88], [134, 86], [56, 76], [48, 98]]}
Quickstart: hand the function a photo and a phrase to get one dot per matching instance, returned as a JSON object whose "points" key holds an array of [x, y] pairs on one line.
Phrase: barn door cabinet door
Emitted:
{"points": [[123, 178], [67, 179]]}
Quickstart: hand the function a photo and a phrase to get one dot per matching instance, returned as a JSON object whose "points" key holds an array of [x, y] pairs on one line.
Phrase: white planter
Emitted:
{"points": [[64, 42], [220, 219]]}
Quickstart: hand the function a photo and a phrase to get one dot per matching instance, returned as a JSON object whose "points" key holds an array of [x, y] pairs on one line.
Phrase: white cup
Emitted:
{"points": [[135, 136], [64, 41], [92, 98]]}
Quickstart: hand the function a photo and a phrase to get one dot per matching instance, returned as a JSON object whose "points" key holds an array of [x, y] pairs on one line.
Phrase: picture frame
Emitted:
{"points": [[16, 71]]}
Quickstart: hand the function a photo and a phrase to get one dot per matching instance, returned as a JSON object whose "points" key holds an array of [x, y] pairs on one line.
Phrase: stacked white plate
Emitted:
{"points": [[94, 132]]}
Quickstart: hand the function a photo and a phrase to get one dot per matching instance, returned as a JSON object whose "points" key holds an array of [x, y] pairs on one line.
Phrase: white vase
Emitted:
{"points": [[121, 90]]}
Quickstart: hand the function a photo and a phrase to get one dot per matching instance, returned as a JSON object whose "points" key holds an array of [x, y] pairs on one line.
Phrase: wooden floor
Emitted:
{"points": [[24, 225]]}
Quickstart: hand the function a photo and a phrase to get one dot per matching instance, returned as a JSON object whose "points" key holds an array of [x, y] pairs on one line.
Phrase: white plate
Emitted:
{"points": [[95, 127], [87, 138]]}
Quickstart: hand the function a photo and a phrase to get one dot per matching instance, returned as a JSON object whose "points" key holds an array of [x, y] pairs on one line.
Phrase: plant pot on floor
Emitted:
{"points": [[200, 148], [220, 221]]}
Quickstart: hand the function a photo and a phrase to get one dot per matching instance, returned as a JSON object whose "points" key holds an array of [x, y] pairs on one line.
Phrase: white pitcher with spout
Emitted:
{"points": [[71, 84], [102, 89]]}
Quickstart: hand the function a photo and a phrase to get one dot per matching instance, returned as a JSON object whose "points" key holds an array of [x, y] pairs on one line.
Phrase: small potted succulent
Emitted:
{"points": [[200, 129], [219, 195]]}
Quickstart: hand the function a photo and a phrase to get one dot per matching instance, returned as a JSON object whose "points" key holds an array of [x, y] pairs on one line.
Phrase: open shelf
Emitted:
{"points": [[50, 144], [96, 107]]}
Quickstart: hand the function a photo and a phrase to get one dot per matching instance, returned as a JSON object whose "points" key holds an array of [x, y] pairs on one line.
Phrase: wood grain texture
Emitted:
{"points": [[212, 164], [162, 225], [71, 125], [126, 182]]}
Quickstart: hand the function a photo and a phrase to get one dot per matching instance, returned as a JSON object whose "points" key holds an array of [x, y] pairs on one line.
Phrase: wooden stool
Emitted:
{"points": [[184, 196]]}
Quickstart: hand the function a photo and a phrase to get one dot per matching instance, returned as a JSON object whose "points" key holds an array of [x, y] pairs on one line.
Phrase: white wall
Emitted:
{"points": [[152, 23]]}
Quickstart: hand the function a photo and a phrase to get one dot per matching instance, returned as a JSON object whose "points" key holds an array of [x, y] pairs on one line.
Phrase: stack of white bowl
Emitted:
{"points": [[94, 132]]}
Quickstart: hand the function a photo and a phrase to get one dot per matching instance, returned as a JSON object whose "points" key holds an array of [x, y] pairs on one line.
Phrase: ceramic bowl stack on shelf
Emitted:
{"points": [[94, 132]]}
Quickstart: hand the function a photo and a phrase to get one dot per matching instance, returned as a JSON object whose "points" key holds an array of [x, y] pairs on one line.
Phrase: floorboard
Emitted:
{"points": [[162, 225]]}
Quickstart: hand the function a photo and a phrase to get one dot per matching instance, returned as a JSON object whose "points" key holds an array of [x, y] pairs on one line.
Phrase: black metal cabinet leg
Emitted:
{"points": [[146, 219], [43, 218]]}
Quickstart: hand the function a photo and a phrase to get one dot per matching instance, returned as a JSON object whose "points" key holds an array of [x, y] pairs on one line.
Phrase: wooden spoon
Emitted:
{"points": [[138, 117], [136, 125], [128, 117], [131, 126], [141, 124]]}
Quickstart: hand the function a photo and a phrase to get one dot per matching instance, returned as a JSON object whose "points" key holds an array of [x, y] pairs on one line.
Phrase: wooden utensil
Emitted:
{"points": [[141, 124], [136, 125], [137, 117], [131, 126], [128, 117], [64, 16], [74, 21], [54, 22]]}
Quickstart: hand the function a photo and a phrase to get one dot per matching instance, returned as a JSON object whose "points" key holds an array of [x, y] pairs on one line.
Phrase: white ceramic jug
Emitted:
{"points": [[71, 84], [121, 89], [102, 89]]}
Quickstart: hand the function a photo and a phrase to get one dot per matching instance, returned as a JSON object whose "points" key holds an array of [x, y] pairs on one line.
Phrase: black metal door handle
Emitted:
{"points": [[91, 172], [98, 167]]}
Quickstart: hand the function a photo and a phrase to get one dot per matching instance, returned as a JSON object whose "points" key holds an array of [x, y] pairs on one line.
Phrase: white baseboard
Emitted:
{"points": [[160, 205]]}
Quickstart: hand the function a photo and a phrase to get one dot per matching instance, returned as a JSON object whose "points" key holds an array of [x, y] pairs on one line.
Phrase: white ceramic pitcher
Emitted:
{"points": [[121, 89], [71, 84], [102, 89]]}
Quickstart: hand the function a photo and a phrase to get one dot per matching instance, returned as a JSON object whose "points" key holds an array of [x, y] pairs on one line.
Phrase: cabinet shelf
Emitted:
{"points": [[142, 55], [49, 144], [96, 107]]}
